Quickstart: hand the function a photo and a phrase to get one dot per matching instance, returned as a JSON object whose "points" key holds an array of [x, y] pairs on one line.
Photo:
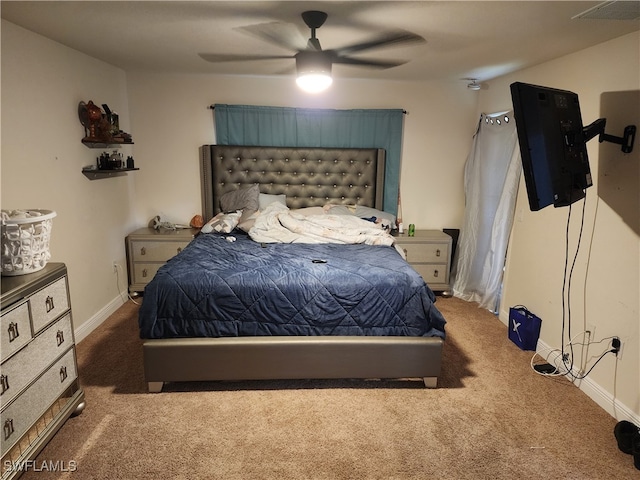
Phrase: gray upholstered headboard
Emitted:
{"points": [[307, 176]]}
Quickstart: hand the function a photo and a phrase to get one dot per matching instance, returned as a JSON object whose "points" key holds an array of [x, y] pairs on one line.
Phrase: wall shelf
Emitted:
{"points": [[105, 144], [98, 174], [99, 128]]}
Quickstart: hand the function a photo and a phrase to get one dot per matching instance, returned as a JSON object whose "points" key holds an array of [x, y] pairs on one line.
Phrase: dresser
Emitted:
{"points": [[429, 253], [149, 249], [39, 387]]}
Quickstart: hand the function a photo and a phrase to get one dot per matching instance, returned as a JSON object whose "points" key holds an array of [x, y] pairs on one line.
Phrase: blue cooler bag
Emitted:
{"points": [[524, 327]]}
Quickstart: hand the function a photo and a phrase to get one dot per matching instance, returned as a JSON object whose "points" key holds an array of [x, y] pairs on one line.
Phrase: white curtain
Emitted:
{"points": [[491, 178]]}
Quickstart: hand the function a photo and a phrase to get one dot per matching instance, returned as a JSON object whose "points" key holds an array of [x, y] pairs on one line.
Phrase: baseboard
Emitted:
{"points": [[608, 402], [593, 390], [602, 397], [94, 322]]}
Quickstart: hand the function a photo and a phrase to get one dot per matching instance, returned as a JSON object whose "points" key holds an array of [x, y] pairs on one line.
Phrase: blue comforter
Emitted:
{"points": [[217, 288]]}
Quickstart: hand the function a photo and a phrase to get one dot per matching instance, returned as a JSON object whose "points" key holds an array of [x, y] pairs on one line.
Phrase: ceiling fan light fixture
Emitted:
{"points": [[314, 82], [313, 65], [313, 71]]}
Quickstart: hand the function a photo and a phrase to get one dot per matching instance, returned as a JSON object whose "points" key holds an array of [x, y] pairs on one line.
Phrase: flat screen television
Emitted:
{"points": [[552, 145]]}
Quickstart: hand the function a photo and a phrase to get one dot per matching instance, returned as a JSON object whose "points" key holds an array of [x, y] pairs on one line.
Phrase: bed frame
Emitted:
{"points": [[309, 177]]}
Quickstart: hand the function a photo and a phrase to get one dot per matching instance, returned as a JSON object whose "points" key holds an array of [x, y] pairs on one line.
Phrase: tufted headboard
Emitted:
{"points": [[307, 176]]}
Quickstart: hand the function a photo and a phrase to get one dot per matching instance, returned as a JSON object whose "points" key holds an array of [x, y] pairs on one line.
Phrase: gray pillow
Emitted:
{"points": [[340, 209], [387, 220], [265, 199], [368, 212], [241, 199]]}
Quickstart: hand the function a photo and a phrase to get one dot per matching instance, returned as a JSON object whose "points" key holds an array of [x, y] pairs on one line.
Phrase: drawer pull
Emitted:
{"points": [[63, 373], [13, 331], [4, 383], [438, 252], [435, 273], [405, 252], [60, 337], [179, 249], [8, 428], [49, 304], [144, 273], [143, 251]]}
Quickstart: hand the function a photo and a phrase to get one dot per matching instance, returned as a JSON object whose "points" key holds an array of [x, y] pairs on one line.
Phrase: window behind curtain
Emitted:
{"points": [[491, 178], [310, 127]]}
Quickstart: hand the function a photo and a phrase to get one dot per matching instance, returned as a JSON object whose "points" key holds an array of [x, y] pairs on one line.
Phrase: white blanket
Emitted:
{"points": [[277, 224]]}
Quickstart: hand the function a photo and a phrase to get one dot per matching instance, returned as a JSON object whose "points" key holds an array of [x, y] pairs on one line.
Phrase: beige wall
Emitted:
{"points": [[170, 120], [42, 158], [606, 285]]}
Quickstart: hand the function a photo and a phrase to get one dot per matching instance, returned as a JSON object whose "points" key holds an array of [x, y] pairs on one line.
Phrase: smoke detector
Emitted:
{"points": [[474, 85]]}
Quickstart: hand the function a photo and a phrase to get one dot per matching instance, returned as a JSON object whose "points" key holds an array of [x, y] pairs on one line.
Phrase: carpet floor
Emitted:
{"points": [[490, 417]]}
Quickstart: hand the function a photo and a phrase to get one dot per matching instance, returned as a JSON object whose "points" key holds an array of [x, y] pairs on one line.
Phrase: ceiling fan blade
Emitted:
{"points": [[285, 35], [381, 64], [290, 70], [221, 57], [387, 39]]}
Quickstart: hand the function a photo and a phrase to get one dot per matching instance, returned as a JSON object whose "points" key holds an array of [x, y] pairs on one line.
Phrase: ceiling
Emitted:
{"points": [[464, 39]]}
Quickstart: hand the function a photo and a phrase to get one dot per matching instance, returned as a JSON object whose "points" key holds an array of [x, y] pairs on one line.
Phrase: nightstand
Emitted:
{"points": [[149, 249], [429, 253]]}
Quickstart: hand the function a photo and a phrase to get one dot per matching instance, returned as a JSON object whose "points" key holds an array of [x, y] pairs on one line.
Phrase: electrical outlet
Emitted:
{"points": [[620, 349], [591, 329]]}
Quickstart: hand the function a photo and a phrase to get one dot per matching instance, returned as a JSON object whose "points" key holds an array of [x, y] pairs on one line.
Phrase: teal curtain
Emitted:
{"points": [[310, 127]]}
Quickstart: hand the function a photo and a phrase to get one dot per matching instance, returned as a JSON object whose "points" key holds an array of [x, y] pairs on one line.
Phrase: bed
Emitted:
{"points": [[231, 308]]}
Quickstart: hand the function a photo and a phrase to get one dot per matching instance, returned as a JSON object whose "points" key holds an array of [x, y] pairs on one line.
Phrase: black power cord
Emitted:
{"points": [[584, 375], [566, 309], [566, 283], [548, 368]]}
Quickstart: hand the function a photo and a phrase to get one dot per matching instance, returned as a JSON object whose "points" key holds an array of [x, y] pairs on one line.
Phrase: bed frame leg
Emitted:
{"points": [[430, 382], [155, 387]]}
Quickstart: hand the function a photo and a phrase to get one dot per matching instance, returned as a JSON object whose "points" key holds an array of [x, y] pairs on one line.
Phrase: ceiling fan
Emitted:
{"points": [[313, 64]]}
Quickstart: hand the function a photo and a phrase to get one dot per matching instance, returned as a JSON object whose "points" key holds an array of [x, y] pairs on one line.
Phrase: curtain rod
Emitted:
{"points": [[213, 107]]}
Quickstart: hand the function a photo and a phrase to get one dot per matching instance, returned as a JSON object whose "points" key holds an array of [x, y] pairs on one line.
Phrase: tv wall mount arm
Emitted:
{"points": [[597, 128]]}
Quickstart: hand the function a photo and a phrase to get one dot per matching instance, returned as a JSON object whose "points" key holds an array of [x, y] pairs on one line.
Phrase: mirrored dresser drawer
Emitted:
{"points": [[39, 387]]}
